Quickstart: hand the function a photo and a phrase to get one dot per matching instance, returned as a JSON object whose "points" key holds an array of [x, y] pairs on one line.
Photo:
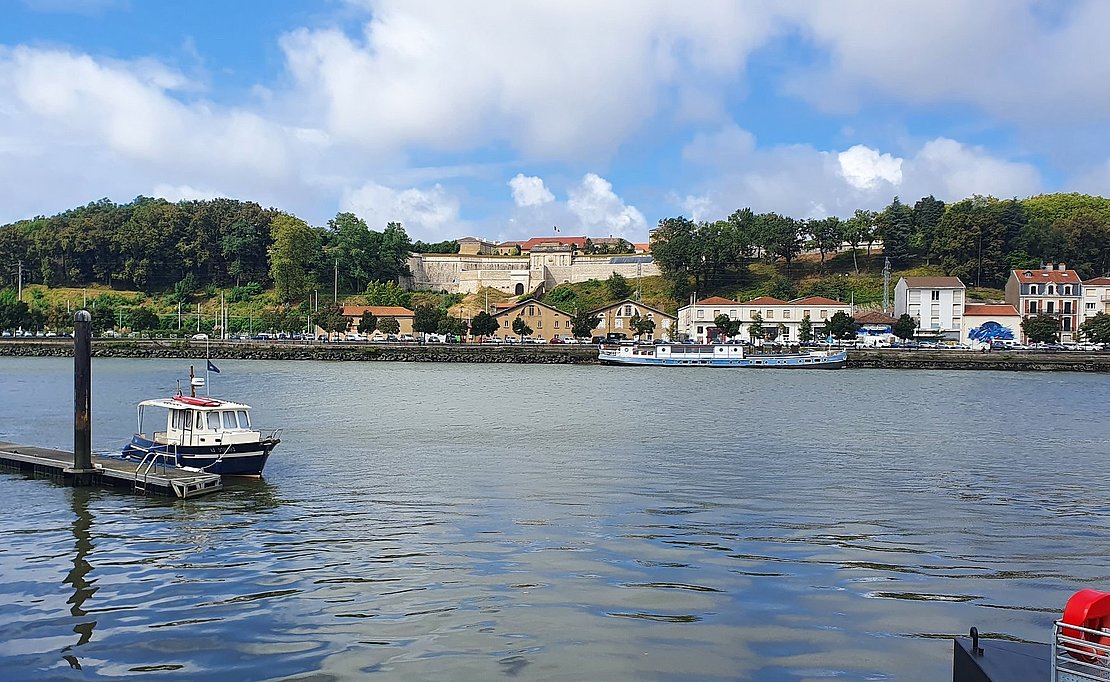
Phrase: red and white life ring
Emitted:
{"points": [[1088, 609]]}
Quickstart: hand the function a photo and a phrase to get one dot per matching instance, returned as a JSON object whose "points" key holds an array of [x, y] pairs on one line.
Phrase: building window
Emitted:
{"points": [[732, 314], [539, 323], [1090, 306], [1067, 324], [1067, 307], [786, 314], [701, 314], [556, 324], [1051, 290], [934, 295], [770, 314], [1050, 307], [628, 311], [824, 314], [618, 324], [1032, 307], [716, 314], [1067, 290]]}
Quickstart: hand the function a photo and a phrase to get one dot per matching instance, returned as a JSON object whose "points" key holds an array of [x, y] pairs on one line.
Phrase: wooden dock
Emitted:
{"points": [[166, 481]]}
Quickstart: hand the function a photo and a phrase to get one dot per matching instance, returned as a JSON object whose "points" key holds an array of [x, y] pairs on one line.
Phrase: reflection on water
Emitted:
{"points": [[474, 522]]}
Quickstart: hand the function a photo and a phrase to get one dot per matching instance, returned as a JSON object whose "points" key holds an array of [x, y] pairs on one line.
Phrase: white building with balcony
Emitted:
{"points": [[1096, 297], [937, 303], [782, 320]]}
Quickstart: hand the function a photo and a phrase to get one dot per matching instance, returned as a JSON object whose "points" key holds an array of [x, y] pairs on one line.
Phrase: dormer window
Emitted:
{"points": [[1027, 273], [1067, 290]]}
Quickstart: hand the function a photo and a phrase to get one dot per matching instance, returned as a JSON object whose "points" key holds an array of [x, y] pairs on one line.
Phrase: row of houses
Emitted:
{"points": [[545, 321], [939, 305]]}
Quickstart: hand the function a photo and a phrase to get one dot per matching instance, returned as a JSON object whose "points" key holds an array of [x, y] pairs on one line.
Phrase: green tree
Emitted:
{"points": [[755, 328], [618, 286], [330, 318], [142, 319], [387, 294], [1041, 329], [780, 236], [897, 232], [13, 312], [521, 328], [841, 326], [904, 327], [368, 323], [583, 323], [857, 230], [726, 326], [1096, 329], [640, 326], [826, 235], [389, 325], [426, 319], [483, 324], [295, 245], [452, 326], [103, 318], [805, 329], [927, 213]]}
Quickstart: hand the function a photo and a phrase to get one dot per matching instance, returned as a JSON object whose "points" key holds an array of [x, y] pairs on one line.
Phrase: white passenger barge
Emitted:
{"points": [[716, 355]]}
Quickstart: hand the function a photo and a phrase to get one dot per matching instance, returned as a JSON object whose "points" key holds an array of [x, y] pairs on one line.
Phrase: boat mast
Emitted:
{"points": [[192, 386]]}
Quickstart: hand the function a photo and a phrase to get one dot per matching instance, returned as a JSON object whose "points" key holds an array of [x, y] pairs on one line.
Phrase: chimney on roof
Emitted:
{"points": [[1062, 266], [1050, 266]]}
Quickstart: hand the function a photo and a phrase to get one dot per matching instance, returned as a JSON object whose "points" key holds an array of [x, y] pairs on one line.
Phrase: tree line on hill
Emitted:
{"points": [[979, 239], [153, 245]]}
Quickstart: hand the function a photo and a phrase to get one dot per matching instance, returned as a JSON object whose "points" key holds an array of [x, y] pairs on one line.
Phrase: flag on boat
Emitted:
{"points": [[213, 368]]}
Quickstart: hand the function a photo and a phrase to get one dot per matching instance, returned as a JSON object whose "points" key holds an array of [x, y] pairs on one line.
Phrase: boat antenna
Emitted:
{"points": [[178, 387], [192, 386]]}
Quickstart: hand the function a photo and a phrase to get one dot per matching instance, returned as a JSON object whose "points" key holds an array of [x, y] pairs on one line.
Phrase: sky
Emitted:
{"points": [[505, 120]]}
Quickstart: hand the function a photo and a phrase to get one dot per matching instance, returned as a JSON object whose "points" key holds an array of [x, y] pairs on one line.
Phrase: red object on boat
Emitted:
{"points": [[199, 402], [1088, 609]]}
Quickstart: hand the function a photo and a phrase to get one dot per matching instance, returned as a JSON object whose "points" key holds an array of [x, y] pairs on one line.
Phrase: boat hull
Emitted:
{"points": [[834, 361], [243, 459]]}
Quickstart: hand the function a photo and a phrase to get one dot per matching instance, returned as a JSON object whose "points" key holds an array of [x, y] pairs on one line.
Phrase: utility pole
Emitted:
{"points": [[179, 316], [886, 283], [21, 281], [335, 289], [198, 318]]}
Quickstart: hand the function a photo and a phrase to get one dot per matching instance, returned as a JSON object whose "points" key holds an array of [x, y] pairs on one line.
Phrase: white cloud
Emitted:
{"points": [[596, 206], [864, 167], [184, 193], [530, 191], [556, 80], [430, 215], [802, 181], [724, 148]]}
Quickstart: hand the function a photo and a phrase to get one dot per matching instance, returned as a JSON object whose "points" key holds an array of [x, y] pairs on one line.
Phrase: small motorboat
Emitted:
{"points": [[204, 433]]}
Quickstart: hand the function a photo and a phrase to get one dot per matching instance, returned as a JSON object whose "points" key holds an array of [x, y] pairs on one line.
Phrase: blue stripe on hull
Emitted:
{"points": [[245, 459], [835, 362]]}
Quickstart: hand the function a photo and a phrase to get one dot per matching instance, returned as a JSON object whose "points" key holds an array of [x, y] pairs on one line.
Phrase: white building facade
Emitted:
{"points": [[1096, 297], [782, 320], [937, 303]]}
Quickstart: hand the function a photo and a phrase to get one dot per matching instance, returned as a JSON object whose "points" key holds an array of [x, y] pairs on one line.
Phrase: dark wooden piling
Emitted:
{"points": [[82, 394]]}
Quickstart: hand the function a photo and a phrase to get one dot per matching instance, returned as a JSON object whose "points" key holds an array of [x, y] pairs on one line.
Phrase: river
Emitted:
{"points": [[444, 521]]}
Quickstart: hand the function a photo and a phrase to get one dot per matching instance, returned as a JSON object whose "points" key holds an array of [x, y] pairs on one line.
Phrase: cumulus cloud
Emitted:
{"points": [[530, 191], [864, 167], [430, 215], [805, 182], [596, 206]]}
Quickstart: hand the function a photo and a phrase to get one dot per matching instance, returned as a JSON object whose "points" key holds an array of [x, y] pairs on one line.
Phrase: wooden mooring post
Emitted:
{"points": [[79, 469], [82, 468]]}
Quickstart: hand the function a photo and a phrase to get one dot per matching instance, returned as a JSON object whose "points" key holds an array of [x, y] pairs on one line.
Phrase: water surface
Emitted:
{"points": [[430, 521]]}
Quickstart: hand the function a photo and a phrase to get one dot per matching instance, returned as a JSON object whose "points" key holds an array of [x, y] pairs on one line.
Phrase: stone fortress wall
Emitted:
{"points": [[549, 266]]}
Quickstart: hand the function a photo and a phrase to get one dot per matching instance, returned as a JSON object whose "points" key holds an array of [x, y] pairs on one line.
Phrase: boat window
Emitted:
{"points": [[177, 418], [229, 420], [188, 419], [244, 422], [214, 421]]}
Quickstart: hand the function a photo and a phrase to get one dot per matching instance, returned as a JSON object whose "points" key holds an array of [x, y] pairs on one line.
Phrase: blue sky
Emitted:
{"points": [[502, 120]]}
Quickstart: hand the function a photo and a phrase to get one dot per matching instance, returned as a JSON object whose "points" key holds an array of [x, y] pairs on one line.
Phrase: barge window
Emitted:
{"points": [[244, 422], [188, 419], [229, 420], [214, 421], [177, 418]]}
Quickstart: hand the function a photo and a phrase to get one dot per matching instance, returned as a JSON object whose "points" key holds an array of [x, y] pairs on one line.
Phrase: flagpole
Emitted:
{"points": [[207, 364]]}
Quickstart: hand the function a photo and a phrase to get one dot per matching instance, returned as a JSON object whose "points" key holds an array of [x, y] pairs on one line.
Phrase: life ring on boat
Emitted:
{"points": [[1088, 609]]}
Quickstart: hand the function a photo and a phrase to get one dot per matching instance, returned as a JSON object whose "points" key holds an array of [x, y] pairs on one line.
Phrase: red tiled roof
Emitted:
{"points": [[934, 282], [1043, 275], [643, 246], [716, 300], [1098, 282], [874, 317], [816, 300], [579, 242], [984, 309], [765, 300], [377, 310], [504, 305]]}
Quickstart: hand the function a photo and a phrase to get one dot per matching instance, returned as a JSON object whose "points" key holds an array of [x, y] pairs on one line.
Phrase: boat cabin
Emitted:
{"points": [[203, 422]]}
